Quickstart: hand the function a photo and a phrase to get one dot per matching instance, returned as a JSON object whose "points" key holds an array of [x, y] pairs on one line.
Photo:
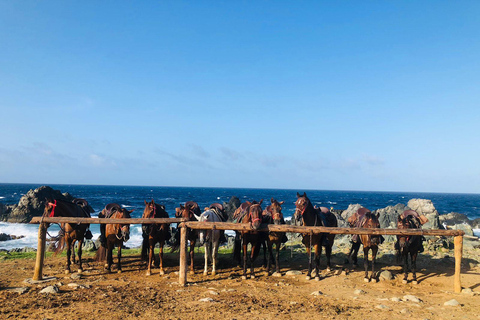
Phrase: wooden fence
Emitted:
{"points": [[43, 221]]}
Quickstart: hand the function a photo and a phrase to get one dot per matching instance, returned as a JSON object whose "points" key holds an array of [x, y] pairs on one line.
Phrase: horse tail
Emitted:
{"points": [[59, 243], [101, 254]]}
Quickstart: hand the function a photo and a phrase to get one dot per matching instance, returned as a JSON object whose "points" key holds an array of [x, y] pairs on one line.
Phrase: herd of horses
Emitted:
{"points": [[115, 234]]}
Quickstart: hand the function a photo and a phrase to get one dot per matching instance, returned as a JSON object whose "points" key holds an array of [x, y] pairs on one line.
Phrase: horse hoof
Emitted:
{"points": [[148, 273], [329, 269], [366, 280], [308, 278], [79, 270], [404, 281], [119, 271], [317, 278], [415, 282], [192, 272], [162, 272], [277, 274], [67, 271], [205, 273], [213, 273], [244, 277], [106, 265]]}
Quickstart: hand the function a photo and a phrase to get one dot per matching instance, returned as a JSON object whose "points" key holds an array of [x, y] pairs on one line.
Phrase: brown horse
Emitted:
{"points": [[190, 211], [409, 245], [154, 233], [115, 234], [251, 213], [311, 216], [273, 215], [69, 232], [363, 218]]}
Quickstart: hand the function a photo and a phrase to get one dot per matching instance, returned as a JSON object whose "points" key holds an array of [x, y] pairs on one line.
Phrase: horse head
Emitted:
{"points": [[255, 214], [276, 211], [301, 205], [203, 235], [371, 222], [123, 230], [406, 222]]}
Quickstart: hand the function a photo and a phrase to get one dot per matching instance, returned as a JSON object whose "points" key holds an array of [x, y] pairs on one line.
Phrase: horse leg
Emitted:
{"points": [[413, 256], [80, 244], [151, 249], [192, 254], [244, 247], [328, 253], [405, 265], [277, 256], [270, 255], [68, 241], [216, 243], [374, 255], [309, 253], [160, 255], [74, 241], [109, 256], [119, 257], [254, 254], [365, 263], [318, 253], [207, 254]]}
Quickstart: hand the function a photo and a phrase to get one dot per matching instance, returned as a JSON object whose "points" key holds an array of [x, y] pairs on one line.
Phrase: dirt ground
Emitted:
{"points": [[131, 294]]}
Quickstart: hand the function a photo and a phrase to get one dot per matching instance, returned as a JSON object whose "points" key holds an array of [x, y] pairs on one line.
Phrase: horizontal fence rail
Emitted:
{"points": [[36, 220], [44, 221]]}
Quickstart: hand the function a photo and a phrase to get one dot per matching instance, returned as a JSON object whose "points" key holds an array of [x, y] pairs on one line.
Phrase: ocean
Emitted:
{"points": [[133, 197]]}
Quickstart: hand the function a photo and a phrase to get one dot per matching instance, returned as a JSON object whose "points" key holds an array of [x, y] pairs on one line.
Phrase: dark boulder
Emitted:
{"points": [[454, 218], [32, 204], [231, 206]]}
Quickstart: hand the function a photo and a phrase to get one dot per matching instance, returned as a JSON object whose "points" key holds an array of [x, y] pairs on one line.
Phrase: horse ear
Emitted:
{"points": [[271, 200], [399, 219], [298, 195], [130, 211], [145, 202], [153, 201], [281, 202], [260, 202], [305, 194]]}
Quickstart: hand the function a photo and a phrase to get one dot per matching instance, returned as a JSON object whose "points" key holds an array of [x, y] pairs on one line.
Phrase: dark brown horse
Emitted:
{"points": [[409, 245], [115, 234], [363, 218], [69, 232], [311, 216], [251, 213], [154, 233], [190, 211], [273, 215]]}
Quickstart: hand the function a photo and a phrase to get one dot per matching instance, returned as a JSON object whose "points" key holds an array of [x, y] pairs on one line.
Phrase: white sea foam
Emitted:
{"points": [[30, 233], [476, 232], [2, 197]]}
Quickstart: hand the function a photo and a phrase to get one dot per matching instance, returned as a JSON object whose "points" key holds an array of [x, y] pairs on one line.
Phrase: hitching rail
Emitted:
{"points": [[457, 234]]}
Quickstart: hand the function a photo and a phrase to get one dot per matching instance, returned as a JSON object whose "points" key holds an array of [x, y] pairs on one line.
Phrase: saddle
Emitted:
{"points": [[241, 211], [419, 219], [111, 208], [82, 203], [218, 209]]}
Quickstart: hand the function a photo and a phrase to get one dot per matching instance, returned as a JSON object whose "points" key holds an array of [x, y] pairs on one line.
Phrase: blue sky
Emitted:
{"points": [[339, 95]]}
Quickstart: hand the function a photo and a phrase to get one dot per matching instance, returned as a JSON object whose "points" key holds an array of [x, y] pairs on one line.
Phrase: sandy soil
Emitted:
{"points": [[132, 294]]}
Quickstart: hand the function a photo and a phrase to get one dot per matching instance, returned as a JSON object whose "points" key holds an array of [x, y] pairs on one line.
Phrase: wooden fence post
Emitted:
{"points": [[42, 234], [458, 242], [182, 273]]}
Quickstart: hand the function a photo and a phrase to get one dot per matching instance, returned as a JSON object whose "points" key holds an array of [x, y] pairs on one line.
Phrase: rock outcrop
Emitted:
{"points": [[33, 203]]}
